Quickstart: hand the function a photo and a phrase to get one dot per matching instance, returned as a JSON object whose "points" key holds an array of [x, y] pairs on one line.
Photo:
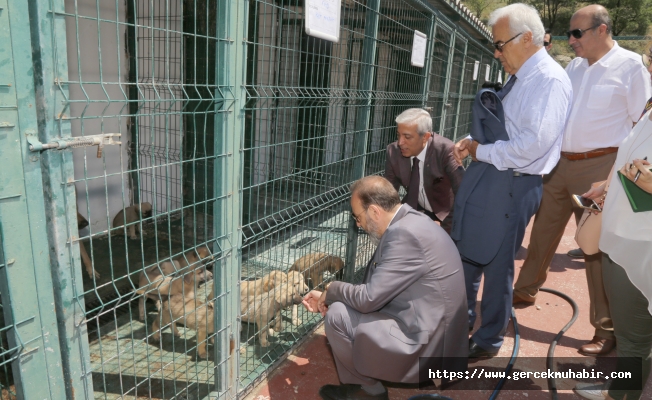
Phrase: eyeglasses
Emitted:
{"points": [[578, 33], [355, 217], [546, 44], [499, 45]]}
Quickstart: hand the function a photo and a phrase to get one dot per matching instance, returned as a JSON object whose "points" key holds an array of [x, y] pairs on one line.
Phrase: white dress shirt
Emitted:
{"points": [[423, 199], [536, 110], [626, 236], [608, 98]]}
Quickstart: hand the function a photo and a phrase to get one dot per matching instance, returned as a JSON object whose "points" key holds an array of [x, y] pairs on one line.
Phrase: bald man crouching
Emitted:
{"points": [[411, 302]]}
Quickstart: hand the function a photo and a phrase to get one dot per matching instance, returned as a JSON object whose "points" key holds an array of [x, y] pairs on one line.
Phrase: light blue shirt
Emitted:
{"points": [[536, 110]]}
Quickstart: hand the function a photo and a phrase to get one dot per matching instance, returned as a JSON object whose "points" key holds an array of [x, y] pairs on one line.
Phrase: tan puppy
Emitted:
{"points": [[81, 224], [299, 283], [159, 284], [259, 286], [149, 281], [318, 268], [190, 311], [260, 309], [131, 215]]}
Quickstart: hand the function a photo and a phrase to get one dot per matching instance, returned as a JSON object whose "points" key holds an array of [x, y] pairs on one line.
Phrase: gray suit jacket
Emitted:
{"points": [[412, 299]]}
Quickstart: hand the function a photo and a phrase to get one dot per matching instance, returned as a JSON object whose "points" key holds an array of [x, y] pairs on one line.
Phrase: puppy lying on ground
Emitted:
{"points": [[261, 308], [190, 311], [130, 215], [158, 283], [81, 224], [318, 268]]}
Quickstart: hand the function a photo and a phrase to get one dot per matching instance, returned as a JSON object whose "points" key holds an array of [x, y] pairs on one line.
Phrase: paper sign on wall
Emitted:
{"points": [[500, 78], [323, 19], [476, 69], [486, 74], [419, 49]]}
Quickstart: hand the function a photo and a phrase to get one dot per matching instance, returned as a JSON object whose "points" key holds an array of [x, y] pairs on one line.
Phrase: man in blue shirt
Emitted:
{"points": [[536, 102]]}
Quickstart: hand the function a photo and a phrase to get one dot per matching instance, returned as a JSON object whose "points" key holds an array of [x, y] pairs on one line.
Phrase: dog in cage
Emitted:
{"points": [[318, 268], [129, 216], [161, 281], [262, 308], [194, 313], [86, 260]]}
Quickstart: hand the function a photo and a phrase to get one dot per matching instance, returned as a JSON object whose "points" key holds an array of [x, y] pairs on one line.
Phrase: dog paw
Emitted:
{"points": [[271, 332], [134, 237], [156, 337], [297, 322], [202, 354]]}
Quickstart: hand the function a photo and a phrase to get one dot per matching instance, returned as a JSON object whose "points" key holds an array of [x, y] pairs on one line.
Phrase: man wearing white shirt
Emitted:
{"points": [[610, 87], [536, 101], [432, 186]]}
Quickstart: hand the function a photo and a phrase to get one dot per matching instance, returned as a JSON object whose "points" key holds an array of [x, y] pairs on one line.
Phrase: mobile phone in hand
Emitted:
{"points": [[588, 204]]}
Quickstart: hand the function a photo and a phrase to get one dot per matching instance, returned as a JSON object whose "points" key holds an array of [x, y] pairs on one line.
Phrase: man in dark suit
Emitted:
{"points": [[410, 304], [431, 187]]}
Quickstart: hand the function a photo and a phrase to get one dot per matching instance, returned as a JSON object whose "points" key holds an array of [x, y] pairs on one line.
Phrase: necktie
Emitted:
{"points": [[508, 86], [413, 187]]}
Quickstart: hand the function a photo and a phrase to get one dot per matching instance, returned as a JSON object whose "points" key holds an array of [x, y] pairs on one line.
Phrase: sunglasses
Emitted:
{"points": [[578, 33], [499, 45], [546, 44]]}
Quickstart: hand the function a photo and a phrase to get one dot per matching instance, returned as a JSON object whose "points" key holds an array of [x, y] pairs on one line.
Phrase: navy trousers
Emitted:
{"points": [[499, 274]]}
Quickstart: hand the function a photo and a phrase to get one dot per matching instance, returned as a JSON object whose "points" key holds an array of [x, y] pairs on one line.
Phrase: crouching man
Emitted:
{"points": [[411, 302]]}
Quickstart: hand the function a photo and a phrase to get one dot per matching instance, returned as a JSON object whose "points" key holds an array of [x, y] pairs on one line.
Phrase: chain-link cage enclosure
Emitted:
{"points": [[189, 164]]}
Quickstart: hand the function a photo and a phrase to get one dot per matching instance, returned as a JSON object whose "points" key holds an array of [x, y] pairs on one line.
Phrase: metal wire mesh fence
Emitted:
{"points": [[219, 195]]}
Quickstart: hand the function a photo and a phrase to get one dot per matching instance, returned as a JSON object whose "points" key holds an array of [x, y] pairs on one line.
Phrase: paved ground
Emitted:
{"points": [[311, 366]]}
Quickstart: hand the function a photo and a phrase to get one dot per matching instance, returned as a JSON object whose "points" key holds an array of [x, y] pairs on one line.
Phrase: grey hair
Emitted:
{"points": [[522, 18], [417, 116]]}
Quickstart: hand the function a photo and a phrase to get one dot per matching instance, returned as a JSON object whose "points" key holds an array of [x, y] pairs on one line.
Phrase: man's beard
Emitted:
{"points": [[372, 231]]}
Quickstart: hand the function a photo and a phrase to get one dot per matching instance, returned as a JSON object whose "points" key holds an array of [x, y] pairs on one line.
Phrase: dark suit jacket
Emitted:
{"points": [[442, 175], [412, 300], [484, 203]]}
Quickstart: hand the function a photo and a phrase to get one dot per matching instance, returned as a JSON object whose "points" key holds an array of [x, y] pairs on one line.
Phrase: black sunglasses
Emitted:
{"points": [[499, 45], [578, 33], [545, 44]]}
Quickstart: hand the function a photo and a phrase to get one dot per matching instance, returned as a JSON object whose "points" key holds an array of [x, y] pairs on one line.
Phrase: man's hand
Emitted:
{"points": [[472, 149], [321, 303], [461, 150], [645, 179], [311, 300], [596, 193]]}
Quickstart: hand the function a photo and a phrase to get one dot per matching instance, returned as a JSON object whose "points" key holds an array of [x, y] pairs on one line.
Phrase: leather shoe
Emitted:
{"points": [[476, 351], [597, 346], [517, 301], [349, 392], [575, 253]]}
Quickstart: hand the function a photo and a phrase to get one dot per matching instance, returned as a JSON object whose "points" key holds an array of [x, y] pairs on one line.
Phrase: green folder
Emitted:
{"points": [[639, 199]]}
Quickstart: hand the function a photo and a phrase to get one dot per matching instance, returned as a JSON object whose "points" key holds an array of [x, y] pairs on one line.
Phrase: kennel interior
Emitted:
{"points": [[241, 132]]}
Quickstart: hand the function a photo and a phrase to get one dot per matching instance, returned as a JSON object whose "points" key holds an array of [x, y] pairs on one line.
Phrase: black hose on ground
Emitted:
{"points": [[512, 360]]}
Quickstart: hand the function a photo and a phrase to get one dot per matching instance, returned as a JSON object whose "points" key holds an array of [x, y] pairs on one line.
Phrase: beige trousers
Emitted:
{"points": [[568, 178]]}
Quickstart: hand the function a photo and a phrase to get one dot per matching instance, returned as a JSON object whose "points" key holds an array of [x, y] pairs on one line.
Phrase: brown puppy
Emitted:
{"points": [[131, 215], [318, 268], [260, 309], [259, 286], [81, 224], [159, 284], [190, 311]]}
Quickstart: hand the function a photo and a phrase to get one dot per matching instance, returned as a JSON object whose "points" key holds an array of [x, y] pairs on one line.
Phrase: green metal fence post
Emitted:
{"points": [[432, 32], [25, 281], [460, 91], [229, 129], [49, 47], [362, 122], [447, 84]]}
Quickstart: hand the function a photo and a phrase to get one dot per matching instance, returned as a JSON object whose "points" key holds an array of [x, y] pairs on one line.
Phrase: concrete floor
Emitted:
{"points": [[311, 365]]}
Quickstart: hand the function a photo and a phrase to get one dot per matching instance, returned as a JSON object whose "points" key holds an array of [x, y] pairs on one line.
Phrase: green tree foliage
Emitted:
{"points": [[630, 17], [481, 7]]}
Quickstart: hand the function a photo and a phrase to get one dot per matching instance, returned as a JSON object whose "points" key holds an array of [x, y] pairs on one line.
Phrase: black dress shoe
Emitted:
{"points": [[349, 392], [476, 351]]}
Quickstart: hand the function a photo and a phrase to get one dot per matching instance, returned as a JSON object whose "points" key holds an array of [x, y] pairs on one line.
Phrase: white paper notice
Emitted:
{"points": [[419, 46], [323, 19], [486, 74], [500, 78], [476, 69]]}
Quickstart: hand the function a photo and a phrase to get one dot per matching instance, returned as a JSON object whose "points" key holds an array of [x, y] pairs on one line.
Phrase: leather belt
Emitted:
{"points": [[516, 173], [589, 154]]}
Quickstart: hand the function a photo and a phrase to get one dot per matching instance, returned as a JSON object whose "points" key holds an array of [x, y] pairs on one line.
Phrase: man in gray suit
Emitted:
{"points": [[411, 302]]}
